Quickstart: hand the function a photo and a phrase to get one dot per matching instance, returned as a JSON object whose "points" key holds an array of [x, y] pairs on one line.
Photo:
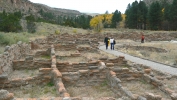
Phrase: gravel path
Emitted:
{"points": [[153, 65]]}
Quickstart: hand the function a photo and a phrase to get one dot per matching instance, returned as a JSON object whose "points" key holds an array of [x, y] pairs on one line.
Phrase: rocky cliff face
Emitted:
{"points": [[27, 7]]}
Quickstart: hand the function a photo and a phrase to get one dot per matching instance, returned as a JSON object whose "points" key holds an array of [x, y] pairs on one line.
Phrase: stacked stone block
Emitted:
{"points": [[57, 77], [62, 74], [14, 52]]}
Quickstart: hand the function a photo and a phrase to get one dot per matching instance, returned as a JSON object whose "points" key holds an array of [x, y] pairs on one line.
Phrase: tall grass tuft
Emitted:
{"points": [[13, 38]]}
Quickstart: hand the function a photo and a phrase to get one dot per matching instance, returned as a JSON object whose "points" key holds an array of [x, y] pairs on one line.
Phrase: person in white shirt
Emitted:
{"points": [[112, 41]]}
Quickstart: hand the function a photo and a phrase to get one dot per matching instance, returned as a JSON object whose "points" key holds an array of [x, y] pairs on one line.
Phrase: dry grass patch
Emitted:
{"points": [[1, 49], [141, 87], [47, 28], [91, 91], [72, 59], [170, 57], [98, 55], [105, 54], [23, 73], [66, 53], [34, 91], [171, 83], [84, 45]]}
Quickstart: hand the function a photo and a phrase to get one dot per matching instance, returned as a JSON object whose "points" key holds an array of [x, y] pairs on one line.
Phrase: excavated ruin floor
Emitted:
{"points": [[136, 86], [23, 73], [141, 86], [95, 92], [34, 91]]}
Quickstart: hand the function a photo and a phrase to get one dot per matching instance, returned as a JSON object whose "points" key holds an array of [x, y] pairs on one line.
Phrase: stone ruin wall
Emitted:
{"points": [[77, 74], [14, 52]]}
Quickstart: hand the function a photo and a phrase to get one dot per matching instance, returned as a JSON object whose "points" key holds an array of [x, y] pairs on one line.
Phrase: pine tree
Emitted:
{"points": [[127, 13], [116, 18], [173, 15], [132, 15], [142, 15], [155, 16], [166, 17]]}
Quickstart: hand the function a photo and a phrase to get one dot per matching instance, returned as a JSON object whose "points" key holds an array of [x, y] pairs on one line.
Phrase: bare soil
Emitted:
{"points": [[97, 55], [23, 73], [141, 87], [171, 84], [83, 45], [66, 53], [72, 59], [91, 91], [34, 91]]}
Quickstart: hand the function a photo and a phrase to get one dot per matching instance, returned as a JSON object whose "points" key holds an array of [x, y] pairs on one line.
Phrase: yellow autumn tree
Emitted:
{"points": [[108, 18], [99, 21], [122, 23]]}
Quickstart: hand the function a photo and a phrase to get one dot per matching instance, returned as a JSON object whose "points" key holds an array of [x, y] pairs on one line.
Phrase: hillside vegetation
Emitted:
{"points": [[149, 2]]}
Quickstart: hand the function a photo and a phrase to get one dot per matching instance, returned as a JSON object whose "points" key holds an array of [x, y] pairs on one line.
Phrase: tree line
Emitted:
{"points": [[10, 22], [158, 16]]}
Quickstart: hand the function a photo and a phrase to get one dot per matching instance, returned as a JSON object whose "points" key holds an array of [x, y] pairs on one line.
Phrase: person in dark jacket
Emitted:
{"points": [[106, 41]]}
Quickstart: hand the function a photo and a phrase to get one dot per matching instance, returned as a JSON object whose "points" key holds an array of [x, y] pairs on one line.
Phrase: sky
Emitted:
{"points": [[88, 6]]}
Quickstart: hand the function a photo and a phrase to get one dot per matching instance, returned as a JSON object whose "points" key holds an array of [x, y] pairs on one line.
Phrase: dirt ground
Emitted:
{"points": [[171, 83], [91, 91], [34, 91], [141, 87], [169, 57], [23, 74]]}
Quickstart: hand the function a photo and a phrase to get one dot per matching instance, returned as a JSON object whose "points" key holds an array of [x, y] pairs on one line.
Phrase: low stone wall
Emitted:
{"points": [[147, 74], [5, 95], [119, 61], [57, 77], [42, 53], [91, 76], [31, 64], [125, 74], [87, 49], [74, 67], [14, 52], [159, 84], [66, 47], [100, 37], [115, 84], [44, 76], [35, 45]]}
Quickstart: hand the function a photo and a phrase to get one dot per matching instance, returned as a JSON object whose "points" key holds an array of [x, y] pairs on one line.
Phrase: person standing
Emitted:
{"points": [[142, 38], [106, 42], [112, 41], [109, 42]]}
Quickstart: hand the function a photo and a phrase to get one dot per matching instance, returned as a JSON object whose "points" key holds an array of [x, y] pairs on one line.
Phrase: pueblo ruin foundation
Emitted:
{"points": [[71, 67]]}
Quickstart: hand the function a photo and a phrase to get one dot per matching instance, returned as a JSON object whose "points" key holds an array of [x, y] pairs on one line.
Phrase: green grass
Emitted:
{"points": [[13, 38], [27, 71], [104, 84], [50, 84], [45, 56], [143, 81]]}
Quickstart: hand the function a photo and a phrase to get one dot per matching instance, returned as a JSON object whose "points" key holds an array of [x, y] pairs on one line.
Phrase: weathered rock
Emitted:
{"points": [[29, 58], [174, 96], [5, 95], [6, 48]]}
